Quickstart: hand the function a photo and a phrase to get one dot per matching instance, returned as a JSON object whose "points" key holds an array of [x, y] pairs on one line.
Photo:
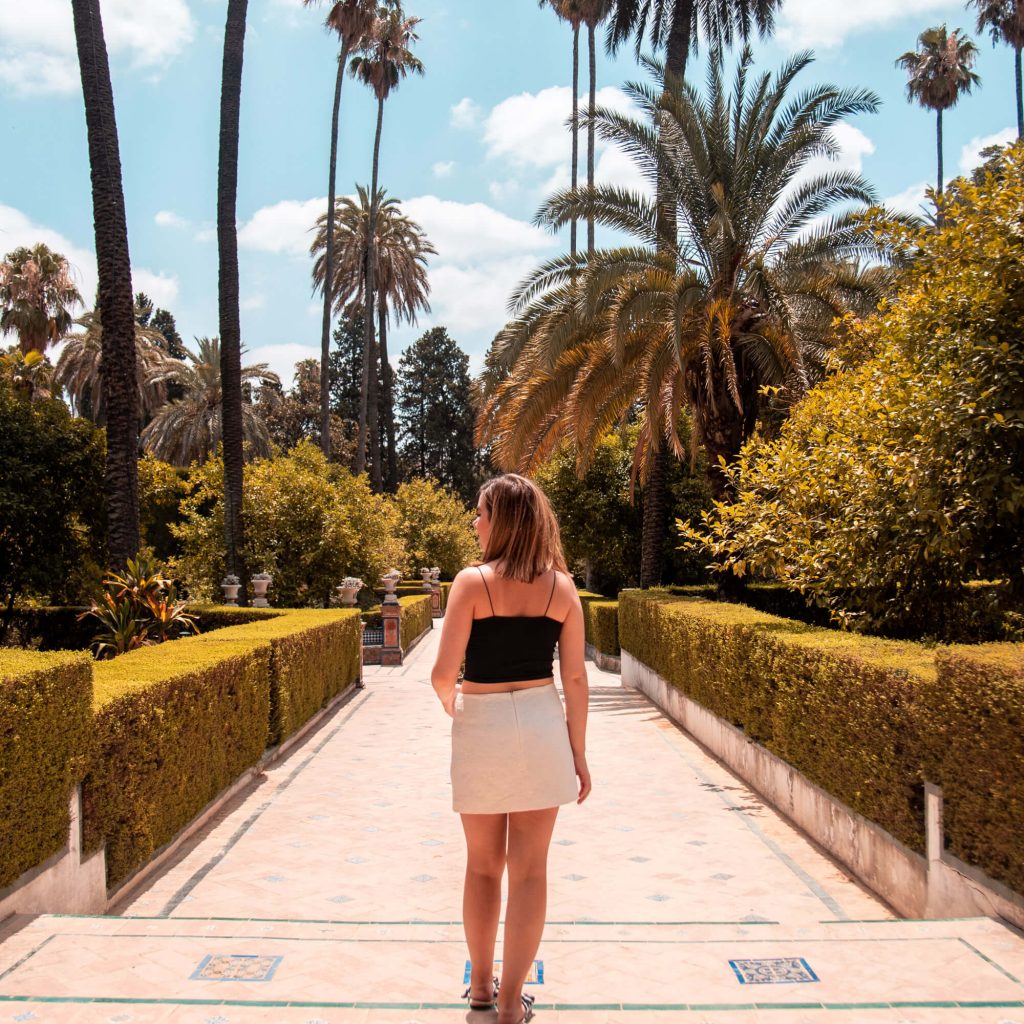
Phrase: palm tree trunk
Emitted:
{"points": [[230, 326], [591, 43], [373, 414], [325, 330], [575, 126], [368, 284], [1020, 93], [938, 147], [387, 386], [655, 497], [114, 298]]}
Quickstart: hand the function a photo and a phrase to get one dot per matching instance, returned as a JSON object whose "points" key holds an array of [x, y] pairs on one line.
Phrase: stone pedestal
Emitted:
{"points": [[391, 613], [435, 600]]}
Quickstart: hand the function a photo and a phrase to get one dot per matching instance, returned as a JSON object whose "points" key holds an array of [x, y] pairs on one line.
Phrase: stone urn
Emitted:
{"points": [[426, 575], [390, 581], [435, 574], [260, 584], [347, 590], [230, 585]]}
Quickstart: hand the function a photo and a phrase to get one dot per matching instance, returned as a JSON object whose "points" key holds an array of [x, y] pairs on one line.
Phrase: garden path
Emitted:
{"points": [[333, 886]]}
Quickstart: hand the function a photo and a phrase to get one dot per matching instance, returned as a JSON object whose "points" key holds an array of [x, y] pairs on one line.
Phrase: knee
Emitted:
{"points": [[526, 871], [487, 869]]}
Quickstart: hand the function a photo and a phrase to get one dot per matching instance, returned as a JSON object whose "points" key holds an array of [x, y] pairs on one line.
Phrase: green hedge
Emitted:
{"points": [[601, 623], [171, 731], [841, 708], [45, 724], [315, 654], [974, 721]]}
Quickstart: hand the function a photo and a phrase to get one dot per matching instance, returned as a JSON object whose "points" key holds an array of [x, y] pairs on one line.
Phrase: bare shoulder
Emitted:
{"points": [[566, 587]]}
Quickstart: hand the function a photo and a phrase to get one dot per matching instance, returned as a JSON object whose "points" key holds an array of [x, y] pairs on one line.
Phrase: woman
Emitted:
{"points": [[516, 755]]}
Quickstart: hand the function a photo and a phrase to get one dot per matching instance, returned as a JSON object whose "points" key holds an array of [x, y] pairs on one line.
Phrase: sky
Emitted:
{"points": [[471, 149]]}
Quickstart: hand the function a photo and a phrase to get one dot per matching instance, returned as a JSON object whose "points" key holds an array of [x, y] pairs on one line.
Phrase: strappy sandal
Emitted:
{"points": [[528, 1002], [478, 1004]]}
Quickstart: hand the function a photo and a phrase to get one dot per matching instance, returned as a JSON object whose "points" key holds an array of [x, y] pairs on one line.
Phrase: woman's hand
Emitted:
{"points": [[448, 702], [583, 774]]}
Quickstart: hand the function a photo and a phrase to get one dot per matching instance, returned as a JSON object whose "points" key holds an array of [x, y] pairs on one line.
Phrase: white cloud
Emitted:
{"points": [[161, 288], [443, 168], [169, 219], [827, 23], [253, 302], [912, 199], [284, 227], [465, 114], [970, 155], [502, 191], [281, 358], [37, 40], [473, 298]]}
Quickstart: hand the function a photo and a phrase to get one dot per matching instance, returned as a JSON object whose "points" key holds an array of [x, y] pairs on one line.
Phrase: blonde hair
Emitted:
{"points": [[524, 538]]}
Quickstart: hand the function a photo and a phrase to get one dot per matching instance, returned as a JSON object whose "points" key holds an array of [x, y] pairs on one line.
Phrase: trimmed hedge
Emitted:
{"points": [[974, 721], [841, 708], [601, 623], [45, 725], [315, 654], [172, 729]]}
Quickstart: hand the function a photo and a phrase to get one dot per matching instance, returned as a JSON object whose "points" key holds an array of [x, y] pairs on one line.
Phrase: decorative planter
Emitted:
{"points": [[260, 584], [231, 585], [426, 575], [390, 581], [348, 589]]}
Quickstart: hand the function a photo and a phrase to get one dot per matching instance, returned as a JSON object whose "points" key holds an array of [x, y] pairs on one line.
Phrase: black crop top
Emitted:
{"points": [[512, 648]]}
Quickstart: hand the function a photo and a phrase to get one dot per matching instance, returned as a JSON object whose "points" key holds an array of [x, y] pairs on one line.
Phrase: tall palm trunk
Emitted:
{"points": [[938, 148], [325, 330], [227, 251], [368, 344], [575, 125], [388, 404], [1020, 92], [652, 544], [114, 300], [591, 44]]}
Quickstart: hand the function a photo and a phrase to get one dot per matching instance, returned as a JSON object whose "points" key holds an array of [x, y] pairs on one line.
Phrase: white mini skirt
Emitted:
{"points": [[511, 752]]}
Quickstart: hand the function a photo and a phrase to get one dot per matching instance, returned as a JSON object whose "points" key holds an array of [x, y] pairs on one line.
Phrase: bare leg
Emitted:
{"points": [[481, 895], [529, 836]]}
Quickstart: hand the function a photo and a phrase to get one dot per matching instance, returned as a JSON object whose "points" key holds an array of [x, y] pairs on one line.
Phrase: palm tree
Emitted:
{"points": [[387, 61], [352, 20], [227, 289], [78, 369], [190, 429], [938, 74], [1004, 19], [675, 27], [594, 12], [745, 300], [569, 10], [400, 275], [36, 296], [115, 286]]}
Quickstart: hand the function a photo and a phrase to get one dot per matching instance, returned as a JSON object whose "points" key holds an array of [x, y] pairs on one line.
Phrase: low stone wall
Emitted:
{"points": [[935, 886], [605, 662]]}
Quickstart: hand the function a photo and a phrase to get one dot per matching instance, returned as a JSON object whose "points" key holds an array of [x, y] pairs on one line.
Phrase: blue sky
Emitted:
{"points": [[471, 148]]}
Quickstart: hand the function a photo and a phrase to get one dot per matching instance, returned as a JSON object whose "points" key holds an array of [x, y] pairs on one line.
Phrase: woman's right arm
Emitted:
{"points": [[457, 623], [572, 668]]}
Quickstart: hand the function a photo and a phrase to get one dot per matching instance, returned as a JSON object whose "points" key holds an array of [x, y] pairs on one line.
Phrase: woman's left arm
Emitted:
{"points": [[457, 623]]}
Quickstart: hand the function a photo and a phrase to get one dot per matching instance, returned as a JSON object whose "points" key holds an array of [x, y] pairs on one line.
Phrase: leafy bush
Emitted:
{"points": [[435, 527], [308, 523], [901, 477], [161, 488]]}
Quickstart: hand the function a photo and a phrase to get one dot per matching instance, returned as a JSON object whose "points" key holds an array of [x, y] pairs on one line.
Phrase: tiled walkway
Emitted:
{"points": [[332, 892]]}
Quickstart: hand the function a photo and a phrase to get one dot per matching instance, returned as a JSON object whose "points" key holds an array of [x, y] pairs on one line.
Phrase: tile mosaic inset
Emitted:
{"points": [[640, 860], [776, 971], [236, 967], [534, 976]]}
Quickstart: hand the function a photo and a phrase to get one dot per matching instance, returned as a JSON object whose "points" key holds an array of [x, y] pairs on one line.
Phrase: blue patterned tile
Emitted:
{"points": [[722, 877], [623, 828], [775, 971], [236, 967], [696, 842], [371, 828], [28, 1015], [340, 899], [216, 1020], [274, 878], [640, 860], [356, 860], [318, 817], [431, 842], [535, 975], [659, 897], [423, 878], [575, 878], [299, 844]]}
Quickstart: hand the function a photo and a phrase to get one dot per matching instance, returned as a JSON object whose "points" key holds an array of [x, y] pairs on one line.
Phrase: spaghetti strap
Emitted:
{"points": [[480, 570], [552, 594]]}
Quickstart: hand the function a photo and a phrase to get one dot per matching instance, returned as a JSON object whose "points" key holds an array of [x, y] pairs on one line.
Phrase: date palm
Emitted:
{"points": [[78, 369], [593, 12], [190, 429], [761, 265], [115, 285], [400, 275], [1004, 20], [352, 20], [674, 28], [938, 74], [230, 348], [386, 62], [37, 293]]}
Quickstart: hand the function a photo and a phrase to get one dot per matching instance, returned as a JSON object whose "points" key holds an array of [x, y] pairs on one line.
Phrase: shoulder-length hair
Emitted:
{"points": [[524, 538]]}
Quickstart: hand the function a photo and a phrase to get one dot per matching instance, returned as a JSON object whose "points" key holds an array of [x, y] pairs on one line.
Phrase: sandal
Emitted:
{"points": [[478, 1004], [528, 1002]]}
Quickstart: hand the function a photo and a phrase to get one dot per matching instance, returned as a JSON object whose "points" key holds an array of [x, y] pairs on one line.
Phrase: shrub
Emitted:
{"points": [[435, 527], [161, 488], [44, 738], [602, 626], [417, 617], [901, 477]]}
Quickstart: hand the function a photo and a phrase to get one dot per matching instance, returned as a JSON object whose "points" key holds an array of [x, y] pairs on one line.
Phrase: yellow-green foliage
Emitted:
{"points": [[435, 527], [899, 478], [600, 622], [974, 724], [44, 737], [173, 727], [839, 707], [314, 656], [417, 616]]}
